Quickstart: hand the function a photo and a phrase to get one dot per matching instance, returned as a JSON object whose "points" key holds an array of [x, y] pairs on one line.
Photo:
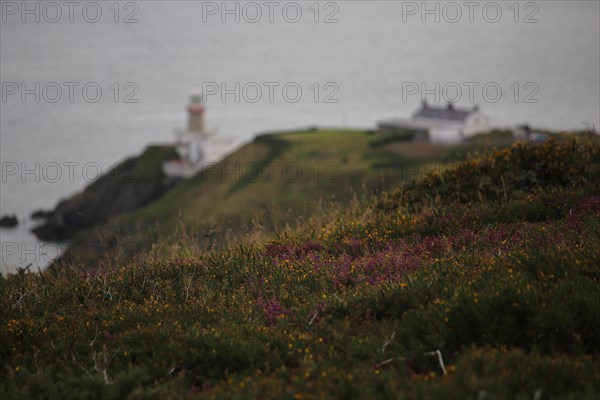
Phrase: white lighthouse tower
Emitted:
{"points": [[197, 146], [191, 142]]}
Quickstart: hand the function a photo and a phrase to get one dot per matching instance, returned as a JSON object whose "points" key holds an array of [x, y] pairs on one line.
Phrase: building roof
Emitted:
{"points": [[398, 123], [449, 112]]}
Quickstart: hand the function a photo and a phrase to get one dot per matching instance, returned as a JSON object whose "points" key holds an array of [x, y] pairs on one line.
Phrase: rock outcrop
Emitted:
{"points": [[134, 183]]}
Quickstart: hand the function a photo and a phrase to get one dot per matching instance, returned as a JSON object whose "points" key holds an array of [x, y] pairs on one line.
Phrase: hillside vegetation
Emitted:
{"points": [[290, 171], [132, 184], [478, 282], [266, 185]]}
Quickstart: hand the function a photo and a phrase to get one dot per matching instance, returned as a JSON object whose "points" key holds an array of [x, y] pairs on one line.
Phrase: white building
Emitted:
{"points": [[440, 123]]}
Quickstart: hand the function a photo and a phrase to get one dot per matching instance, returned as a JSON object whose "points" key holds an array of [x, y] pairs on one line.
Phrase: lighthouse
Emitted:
{"points": [[191, 142], [196, 146]]}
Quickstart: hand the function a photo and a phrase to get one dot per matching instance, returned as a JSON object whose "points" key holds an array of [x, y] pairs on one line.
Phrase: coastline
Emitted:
{"points": [[23, 248]]}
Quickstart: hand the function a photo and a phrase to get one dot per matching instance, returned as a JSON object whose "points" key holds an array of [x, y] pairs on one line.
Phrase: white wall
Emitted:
{"points": [[476, 123]]}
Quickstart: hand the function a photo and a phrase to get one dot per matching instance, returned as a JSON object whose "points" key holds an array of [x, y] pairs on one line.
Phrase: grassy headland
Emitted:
{"points": [[268, 185], [495, 262]]}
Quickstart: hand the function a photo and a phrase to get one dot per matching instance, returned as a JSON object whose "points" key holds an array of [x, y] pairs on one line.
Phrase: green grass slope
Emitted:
{"points": [[289, 171], [276, 181], [480, 282]]}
